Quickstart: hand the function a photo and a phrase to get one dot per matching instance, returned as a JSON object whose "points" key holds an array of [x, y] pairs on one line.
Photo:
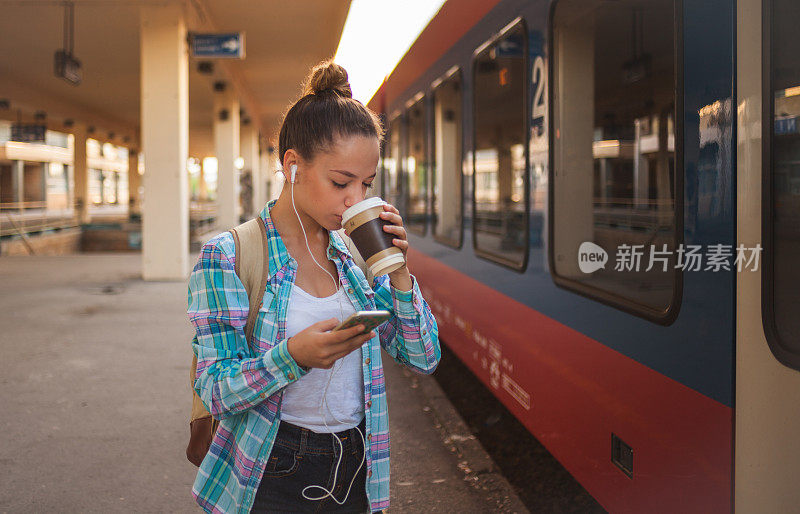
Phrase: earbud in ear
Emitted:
{"points": [[293, 170]]}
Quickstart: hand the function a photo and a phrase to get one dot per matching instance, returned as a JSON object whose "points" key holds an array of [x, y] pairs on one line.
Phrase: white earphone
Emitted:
{"points": [[324, 404]]}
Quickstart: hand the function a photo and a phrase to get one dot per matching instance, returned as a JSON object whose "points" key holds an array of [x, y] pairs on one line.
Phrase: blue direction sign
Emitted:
{"points": [[228, 45]]}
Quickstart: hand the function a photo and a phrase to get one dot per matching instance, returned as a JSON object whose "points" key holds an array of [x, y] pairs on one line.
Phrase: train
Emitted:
{"points": [[603, 205]]}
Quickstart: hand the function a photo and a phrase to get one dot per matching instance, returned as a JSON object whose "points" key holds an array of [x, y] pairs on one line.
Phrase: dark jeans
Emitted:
{"points": [[301, 458]]}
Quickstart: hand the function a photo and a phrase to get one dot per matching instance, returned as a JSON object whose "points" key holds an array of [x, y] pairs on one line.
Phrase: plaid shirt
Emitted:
{"points": [[243, 388]]}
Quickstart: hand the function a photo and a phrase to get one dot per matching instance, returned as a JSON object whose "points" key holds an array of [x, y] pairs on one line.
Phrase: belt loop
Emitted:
{"points": [[353, 435], [335, 445], [303, 441]]}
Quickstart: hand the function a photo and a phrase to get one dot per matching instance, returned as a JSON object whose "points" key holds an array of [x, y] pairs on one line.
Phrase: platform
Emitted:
{"points": [[95, 400]]}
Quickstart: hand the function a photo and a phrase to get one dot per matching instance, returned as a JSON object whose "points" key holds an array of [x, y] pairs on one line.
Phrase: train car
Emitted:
{"points": [[603, 200]]}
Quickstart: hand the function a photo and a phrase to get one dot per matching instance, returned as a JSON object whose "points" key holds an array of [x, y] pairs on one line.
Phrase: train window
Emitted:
{"points": [[500, 192], [416, 168], [782, 183], [391, 164], [446, 169], [613, 142]]}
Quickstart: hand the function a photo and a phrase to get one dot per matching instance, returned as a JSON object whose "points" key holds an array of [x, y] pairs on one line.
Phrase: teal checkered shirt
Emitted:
{"points": [[243, 387]]}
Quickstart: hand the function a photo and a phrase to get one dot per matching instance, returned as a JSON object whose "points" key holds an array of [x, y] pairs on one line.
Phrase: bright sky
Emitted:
{"points": [[376, 35]]}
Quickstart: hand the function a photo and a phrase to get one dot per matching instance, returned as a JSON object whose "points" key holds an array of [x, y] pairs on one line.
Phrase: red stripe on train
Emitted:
{"points": [[572, 392]]}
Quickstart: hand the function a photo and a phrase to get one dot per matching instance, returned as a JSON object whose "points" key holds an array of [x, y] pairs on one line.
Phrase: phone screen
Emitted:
{"points": [[370, 320]]}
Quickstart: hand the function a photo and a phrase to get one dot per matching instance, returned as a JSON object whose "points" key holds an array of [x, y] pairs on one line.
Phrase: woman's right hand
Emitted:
{"points": [[318, 347]]}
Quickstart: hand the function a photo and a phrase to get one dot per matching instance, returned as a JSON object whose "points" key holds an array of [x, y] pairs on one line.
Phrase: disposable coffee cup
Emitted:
{"points": [[363, 224]]}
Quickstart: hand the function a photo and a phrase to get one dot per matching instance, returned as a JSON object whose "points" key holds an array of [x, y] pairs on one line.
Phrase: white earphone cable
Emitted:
{"points": [[324, 403]]}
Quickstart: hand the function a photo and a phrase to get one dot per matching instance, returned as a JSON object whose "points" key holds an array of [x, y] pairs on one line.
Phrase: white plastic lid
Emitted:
{"points": [[362, 206], [387, 264]]}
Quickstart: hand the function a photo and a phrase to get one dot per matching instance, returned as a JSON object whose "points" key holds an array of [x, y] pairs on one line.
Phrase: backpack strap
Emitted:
{"points": [[252, 266]]}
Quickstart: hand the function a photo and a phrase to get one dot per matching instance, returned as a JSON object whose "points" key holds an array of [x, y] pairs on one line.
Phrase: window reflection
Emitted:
{"points": [[391, 163], [614, 153], [416, 168], [446, 170], [785, 251], [500, 223]]}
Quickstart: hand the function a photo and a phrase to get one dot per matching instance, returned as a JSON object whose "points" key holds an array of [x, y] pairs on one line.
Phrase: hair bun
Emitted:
{"points": [[328, 76]]}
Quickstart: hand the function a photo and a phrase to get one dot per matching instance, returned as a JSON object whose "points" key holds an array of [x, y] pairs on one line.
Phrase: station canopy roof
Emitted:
{"points": [[283, 40]]}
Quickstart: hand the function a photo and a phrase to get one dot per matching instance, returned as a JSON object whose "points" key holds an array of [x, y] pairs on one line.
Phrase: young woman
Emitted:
{"points": [[303, 418]]}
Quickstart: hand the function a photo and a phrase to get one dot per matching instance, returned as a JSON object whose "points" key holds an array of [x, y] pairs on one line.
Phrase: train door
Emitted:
{"points": [[767, 447]]}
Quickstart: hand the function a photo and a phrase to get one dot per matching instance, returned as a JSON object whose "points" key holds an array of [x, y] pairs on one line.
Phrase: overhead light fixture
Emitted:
{"points": [[791, 91], [205, 67], [640, 65], [66, 66]]}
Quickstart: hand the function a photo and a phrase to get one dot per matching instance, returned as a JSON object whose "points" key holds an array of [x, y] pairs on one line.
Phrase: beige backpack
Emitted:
{"points": [[252, 268]]}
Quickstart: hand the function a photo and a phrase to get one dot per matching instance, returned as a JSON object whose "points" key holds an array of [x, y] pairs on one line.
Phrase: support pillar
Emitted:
{"points": [[604, 175], [573, 206], [663, 186], [226, 148], [266, 176], [80, 171], [274, 179], [134, 182], [45, 176], [18, 184], [165, 142], [641, 170], [202, 185], [249, 152], [447, 164]]}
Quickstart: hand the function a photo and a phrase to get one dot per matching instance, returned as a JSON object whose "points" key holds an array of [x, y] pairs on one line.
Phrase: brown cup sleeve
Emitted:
{"points": [[370, 238]]}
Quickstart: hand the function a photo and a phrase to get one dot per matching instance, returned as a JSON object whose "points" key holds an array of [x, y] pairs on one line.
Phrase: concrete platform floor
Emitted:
{"points": [[95, 399]]}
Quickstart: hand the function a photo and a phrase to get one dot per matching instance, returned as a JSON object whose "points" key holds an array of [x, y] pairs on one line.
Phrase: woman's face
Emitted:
{"points": [[336, 179]]}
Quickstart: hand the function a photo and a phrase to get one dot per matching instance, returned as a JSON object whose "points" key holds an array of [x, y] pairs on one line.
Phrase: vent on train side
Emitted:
{"points": [[622, 455]]}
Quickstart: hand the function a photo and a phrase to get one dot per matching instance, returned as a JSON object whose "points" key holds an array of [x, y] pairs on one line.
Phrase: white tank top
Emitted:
{"points": [[302, 403]]}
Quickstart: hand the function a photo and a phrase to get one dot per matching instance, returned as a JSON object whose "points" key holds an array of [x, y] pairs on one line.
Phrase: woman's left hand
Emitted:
{"points": [[401, 278]]}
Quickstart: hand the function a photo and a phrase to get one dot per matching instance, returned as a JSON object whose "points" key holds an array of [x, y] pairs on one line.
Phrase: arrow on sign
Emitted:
{"points": [[231, 45]]}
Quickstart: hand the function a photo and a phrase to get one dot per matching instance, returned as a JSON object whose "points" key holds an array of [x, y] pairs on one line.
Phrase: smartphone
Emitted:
{"points": [[370, 320]]}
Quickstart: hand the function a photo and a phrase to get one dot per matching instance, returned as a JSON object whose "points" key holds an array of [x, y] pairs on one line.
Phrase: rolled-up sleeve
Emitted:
{"points": [[230, 377], [411, 335]]}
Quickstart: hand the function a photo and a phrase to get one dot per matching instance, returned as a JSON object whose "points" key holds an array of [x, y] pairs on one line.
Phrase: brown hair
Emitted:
{"points": [[327, 110]]}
